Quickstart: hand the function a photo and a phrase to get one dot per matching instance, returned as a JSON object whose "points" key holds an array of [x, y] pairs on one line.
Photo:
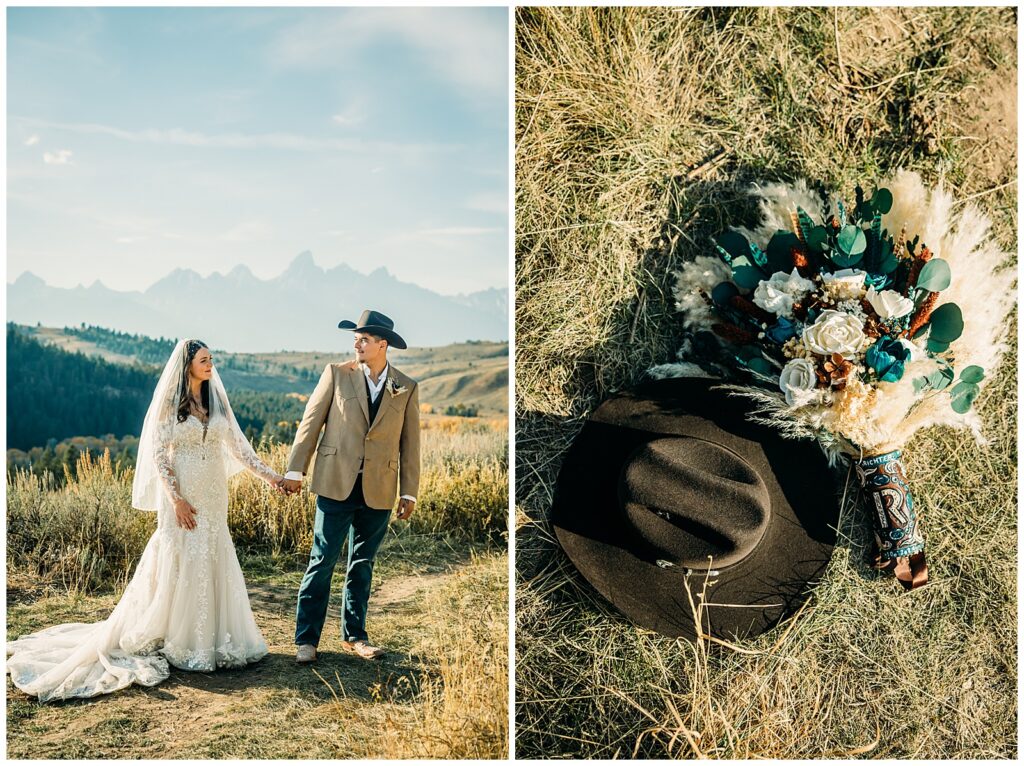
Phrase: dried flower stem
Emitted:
{"points": [[922, 314], [752, 309], [794, 218], [900, 246], [733, 333], [800, 261], [915, 268]]}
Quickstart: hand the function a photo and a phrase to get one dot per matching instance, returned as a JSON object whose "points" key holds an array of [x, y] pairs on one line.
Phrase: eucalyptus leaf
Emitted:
{"points": [[972, 374], [745, 274], [780, 251], [937, 347], [748, 352], [947, 323], [817, 239], [845, 261], [920, 384], [723, 293], [962, 396], [733, 243], [941, 378], [881, 201], [851, 240], [760, 365], [934, 277]]}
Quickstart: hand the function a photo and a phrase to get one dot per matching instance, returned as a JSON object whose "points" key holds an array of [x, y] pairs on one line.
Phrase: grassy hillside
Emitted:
{"points": [[637, 133], [461, 373]]}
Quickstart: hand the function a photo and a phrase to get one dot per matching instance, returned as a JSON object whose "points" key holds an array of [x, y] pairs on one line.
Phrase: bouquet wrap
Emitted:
{"points": [[899, 537]]}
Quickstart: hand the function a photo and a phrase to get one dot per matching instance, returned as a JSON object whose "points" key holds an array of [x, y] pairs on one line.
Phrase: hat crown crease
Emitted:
{"points": [[691, 499]]}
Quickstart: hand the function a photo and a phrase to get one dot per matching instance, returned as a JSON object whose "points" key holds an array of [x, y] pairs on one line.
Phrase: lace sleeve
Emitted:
{"points": [[162, 458], [243, 452]]}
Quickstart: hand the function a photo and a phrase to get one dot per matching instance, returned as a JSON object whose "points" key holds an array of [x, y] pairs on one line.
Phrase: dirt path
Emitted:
{"points": [[274, 709]]}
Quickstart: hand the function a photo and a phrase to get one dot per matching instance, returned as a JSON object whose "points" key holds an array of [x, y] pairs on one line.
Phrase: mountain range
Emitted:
{"points": [[297, 310]]}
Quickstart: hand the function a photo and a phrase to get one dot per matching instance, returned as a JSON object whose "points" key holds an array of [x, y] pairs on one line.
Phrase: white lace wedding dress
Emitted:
{"points": [[186, 605]]}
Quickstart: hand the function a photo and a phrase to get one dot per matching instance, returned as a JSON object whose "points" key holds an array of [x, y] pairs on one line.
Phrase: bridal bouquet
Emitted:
{"points": [[856, 322]]}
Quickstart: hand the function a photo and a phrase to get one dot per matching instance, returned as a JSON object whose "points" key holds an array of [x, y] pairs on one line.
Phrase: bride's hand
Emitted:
{"points": [[186, 514]]}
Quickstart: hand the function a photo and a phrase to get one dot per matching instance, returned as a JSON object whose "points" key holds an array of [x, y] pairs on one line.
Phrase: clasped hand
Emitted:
{"points": [[288, 486]]}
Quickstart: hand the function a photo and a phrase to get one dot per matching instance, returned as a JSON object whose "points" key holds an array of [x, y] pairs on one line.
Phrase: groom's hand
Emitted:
{"points": [[290, 486], [405, 508]]}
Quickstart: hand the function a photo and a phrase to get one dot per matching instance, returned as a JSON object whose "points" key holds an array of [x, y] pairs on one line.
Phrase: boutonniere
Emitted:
{"points": [[393, 388]]}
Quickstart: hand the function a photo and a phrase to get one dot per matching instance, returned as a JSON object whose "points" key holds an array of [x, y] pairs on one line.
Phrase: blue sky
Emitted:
{"points": [[140, 140]]}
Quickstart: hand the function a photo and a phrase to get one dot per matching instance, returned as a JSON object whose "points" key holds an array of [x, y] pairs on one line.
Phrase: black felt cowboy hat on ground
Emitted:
{"points": [[672, 473], [375, 323]]}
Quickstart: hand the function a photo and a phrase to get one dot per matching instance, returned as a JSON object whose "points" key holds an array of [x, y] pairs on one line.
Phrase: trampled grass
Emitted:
{"points": [[637, 132]]}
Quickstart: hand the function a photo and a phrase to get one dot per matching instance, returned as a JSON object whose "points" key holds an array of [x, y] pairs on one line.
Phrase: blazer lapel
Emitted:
{"points": [[385, 402], [358, 389]]}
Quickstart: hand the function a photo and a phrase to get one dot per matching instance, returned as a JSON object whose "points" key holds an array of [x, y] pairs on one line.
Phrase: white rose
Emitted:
{"points": [[834, 333], [778, 293], [889, 304], [798, 381], [771, 297], [847, 283]]}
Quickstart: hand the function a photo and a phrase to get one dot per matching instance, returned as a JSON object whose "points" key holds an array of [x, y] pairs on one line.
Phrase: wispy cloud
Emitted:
{"points": [[60, 157], [458, 44], [349, 117], [32, 140], [458, 231], [489, 202], [283, 141]]}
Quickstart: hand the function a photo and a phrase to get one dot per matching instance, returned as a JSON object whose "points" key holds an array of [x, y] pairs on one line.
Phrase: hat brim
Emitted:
{"points": [[392, 337], [739, 601]]}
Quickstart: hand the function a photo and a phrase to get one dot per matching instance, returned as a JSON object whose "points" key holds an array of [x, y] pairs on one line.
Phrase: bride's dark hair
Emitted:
{"points": [[190, 349]]}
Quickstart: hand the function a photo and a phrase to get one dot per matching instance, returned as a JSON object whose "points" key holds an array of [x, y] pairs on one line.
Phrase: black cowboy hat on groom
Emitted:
{"points": [[673, 504], [375, 323]]}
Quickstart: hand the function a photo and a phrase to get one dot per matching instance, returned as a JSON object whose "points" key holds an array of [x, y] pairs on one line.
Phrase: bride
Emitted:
{"points": [[187, 604]]}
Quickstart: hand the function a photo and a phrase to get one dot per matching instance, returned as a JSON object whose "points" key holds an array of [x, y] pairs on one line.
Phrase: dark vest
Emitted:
{"points": [[374, 405]]}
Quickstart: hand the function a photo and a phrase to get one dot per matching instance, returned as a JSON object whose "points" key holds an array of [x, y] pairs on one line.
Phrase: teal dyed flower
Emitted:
{"points": [[887, 357], [782, 331], [878, 281]]}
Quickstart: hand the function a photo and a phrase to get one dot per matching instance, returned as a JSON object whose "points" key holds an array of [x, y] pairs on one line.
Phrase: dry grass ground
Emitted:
{"points": [[637, 131], [439, 604]]}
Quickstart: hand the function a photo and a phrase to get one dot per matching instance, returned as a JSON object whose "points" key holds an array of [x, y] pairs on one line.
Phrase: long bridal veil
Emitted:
{"points": [[186, 604], [148, 488]]}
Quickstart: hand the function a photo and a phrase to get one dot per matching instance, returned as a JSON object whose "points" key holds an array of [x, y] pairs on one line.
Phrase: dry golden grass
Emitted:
{"points": [[85, 535], [637, 131], [464, 707]]}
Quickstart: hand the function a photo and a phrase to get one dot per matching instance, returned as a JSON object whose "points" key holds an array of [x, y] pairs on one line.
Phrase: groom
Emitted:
{"points": [[369, 414]]}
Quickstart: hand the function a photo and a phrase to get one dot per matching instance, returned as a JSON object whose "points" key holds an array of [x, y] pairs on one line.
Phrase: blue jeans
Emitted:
{"points": [[365, 528]]}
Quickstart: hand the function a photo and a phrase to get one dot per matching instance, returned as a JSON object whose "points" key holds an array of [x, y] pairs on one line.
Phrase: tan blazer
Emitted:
{"points": [[389, 450]]}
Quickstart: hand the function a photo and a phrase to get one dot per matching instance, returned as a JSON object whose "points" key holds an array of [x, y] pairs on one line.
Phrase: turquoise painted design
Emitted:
{"points": [[897, 531]]}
